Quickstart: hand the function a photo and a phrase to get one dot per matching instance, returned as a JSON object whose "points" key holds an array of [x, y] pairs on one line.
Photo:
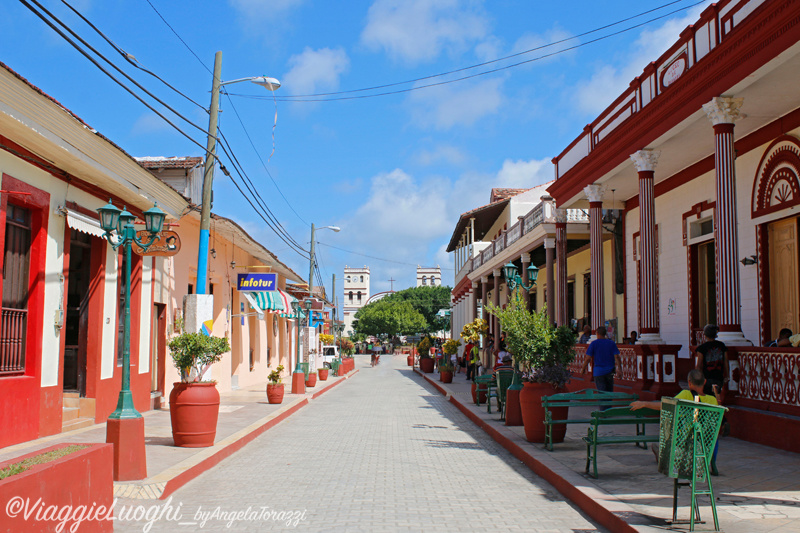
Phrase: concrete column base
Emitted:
{"points": [[733, 338], [127, 436], [298, 383], [650, 338]]}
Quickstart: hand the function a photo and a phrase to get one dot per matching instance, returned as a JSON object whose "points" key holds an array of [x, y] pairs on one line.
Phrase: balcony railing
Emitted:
{"points": [[766, 378]]}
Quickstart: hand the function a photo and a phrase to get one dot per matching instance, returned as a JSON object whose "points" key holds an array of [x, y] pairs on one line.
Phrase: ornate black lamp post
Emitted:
{"points": [[129, 457]]}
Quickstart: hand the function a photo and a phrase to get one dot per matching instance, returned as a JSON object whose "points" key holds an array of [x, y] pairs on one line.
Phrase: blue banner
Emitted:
{"points": [[257, 282]]}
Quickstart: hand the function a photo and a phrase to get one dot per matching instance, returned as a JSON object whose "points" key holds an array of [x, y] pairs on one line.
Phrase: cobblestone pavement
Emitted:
{"points": [[382, 452]]}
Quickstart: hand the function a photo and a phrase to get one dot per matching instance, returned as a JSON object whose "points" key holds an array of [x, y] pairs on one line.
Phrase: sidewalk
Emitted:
{"points": [[758, 489], [243, 415]]}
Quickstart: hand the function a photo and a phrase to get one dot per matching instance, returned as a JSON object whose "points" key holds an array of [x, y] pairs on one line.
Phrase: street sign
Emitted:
{"points": [[167, 244], [252, 282]]}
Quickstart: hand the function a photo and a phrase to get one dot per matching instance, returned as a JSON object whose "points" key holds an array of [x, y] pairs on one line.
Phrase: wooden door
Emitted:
{"points": [[783, 273]]}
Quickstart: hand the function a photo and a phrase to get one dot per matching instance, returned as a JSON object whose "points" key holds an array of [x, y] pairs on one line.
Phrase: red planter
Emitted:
{"points": [[513, 412], [426, 364], [275, 392], [483, 393], [530, 401], [446, 377], [410, 360], [193, 410], [323, 373], [312, 379]]}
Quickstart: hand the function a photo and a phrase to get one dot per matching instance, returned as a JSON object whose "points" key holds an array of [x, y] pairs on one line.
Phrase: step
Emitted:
{"points": [[77, 423], [72, 395], [71, 402], [70, 413], [87, 407]]}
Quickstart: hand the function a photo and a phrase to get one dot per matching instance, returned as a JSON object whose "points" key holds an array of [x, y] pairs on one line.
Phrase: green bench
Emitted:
{"points": [[619, 416], [583, 398]]}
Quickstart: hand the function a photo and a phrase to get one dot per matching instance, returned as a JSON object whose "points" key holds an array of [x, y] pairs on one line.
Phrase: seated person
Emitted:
{"points": [[500, 359], [633, 338], [587, 334], [783, 339]]}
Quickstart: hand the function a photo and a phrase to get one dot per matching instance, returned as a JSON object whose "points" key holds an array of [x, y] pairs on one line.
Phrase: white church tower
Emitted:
{"points": [[429, 277], [356, 294]]}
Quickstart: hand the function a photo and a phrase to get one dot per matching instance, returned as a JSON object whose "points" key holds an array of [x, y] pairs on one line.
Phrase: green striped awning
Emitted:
{"points": [[275, 301]]}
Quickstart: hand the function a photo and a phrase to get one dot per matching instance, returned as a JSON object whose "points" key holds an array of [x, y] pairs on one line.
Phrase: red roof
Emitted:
{"points": [[504, 194]]}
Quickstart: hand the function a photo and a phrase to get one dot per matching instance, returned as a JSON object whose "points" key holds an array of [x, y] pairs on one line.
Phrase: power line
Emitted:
{"points": [[476, 75], [374, 257], [179, 38]]}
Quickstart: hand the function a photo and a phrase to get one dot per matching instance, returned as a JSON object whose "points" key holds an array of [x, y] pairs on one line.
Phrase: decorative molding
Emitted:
{"points": [[525, 258], [724, 110], [777, 182], [549, 242], [595, 192], [561, 216], [645, 160]]}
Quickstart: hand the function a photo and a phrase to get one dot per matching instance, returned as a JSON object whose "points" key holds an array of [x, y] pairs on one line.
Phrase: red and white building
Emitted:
{"points": [[703, 152], [60, 353]]}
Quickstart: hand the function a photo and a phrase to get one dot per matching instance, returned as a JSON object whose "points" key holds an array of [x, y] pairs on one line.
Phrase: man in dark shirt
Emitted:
{"points": [[712, 361]]}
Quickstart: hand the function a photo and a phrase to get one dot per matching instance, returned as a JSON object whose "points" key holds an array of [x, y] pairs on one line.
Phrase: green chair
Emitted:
{"points": [[482, 384], [498, 388], [304, 367], [335, 367]]}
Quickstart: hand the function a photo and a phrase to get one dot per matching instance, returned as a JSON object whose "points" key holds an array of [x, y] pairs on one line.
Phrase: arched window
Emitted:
{"points": [[424, 280], [362, 279], [359, 296], [351, 296], [347, 279]]}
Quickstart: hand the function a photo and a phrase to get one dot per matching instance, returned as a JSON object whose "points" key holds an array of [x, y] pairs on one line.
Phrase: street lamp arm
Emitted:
{"points": [[267, 82]]}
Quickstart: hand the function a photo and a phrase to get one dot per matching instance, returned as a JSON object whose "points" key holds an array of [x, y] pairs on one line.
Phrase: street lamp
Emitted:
{"points": [[311, 263], [208, 178], [298, 386], [111, 218], [511, 274]]}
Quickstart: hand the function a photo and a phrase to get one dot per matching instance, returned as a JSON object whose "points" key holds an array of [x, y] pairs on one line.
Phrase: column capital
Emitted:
{"points": [[724, 110], [561, 216], [594, 193], [474, 284], [549, 242], [484, 280], [496, 273], [645, 160], [525, 258]]}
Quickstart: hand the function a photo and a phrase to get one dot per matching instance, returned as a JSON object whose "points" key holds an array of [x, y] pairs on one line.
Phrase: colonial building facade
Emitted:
{"points": [[356, 294]]}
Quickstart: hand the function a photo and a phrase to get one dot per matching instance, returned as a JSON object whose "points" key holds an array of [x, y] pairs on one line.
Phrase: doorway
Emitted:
{"points": [[77, 313], [706, 284], [158, 346], [783, 273]]}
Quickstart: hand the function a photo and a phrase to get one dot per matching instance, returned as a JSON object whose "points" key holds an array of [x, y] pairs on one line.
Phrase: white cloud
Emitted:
{"points": [[315, 70], [442, 153], [410, 220], [149, 123], [417, 31], [462, 104], [539, 44], [263, 9], [609, 81]]}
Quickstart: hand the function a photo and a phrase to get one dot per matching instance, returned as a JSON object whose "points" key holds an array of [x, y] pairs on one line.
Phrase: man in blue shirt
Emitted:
{"points": [[604, 356]]}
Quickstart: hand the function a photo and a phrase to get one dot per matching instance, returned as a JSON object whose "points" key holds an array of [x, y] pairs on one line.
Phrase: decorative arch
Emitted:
{"points": [[777, 181]]}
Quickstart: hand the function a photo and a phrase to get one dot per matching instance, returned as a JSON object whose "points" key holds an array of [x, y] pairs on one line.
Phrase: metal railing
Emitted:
{"points": [[12, 341]]}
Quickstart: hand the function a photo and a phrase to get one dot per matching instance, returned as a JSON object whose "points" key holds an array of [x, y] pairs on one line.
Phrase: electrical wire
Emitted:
{"points": [[179, 38], [374, 257], [476, 75], [483, 64]]}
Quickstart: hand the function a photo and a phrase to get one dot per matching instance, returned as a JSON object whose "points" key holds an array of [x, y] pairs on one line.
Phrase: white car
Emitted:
{"points": [[329, 353]]}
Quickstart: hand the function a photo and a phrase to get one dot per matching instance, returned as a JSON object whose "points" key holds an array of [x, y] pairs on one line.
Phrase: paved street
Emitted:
{"points": [[382, 452]]}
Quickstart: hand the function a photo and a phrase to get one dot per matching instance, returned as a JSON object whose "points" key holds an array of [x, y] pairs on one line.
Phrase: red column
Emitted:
{"points": [[723, 111], [495, 321], [649, 326], [484, 300], [549, 253], [595, 195], [561, 266]]}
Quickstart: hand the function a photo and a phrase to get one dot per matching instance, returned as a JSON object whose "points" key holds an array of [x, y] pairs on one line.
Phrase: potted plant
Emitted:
{"points": [[544, 353], [311, 379], [275, 386], [471, 333], [425, 359], [446, 369], [194, 404]]}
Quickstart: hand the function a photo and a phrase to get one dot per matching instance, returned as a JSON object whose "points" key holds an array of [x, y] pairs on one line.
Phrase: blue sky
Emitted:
{"points": [[395, 171]]}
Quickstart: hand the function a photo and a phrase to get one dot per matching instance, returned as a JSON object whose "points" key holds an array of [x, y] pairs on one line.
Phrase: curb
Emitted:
{"points": [[591, 500]]}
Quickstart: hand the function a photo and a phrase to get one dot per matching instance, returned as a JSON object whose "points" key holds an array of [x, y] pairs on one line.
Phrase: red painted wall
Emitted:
{"points": [[83, 478], [20, 395]]}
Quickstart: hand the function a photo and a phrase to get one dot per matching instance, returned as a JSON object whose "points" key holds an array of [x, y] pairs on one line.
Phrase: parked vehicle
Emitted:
{"points": [[329, 353]]}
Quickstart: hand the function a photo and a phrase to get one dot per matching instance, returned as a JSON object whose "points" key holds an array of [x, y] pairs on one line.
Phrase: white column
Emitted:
{"points": [[594, 193]]}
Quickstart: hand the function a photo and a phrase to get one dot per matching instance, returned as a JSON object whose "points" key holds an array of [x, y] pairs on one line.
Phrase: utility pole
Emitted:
{"points": [[208, 178]]}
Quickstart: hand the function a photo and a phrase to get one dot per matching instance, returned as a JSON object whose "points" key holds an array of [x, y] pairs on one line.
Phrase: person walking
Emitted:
{"points": [[712, 361], [604, 356]]}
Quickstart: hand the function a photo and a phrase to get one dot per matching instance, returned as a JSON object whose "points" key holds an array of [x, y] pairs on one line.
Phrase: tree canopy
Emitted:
{"points": [[389, 318], [407, 312]]}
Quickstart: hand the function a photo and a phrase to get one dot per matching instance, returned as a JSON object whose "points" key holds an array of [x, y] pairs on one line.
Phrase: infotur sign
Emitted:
{"points": [[257, 282]]}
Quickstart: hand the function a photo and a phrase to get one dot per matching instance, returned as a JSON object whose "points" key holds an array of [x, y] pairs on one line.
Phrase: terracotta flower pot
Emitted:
{"points": [[426, 364], [513, 413], [474, 393], [445, 376], [530, 402], [275, 392], [323, 374], [312, 379], [410, 360], [193, 411]]}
